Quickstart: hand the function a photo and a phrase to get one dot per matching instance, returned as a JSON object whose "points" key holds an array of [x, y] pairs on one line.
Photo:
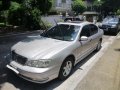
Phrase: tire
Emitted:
{"points": [[98, 46], [66, 68], [115, 33]]}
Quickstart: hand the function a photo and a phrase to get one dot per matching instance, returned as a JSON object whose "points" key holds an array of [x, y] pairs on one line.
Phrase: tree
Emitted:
{"points": [[44, 5], [5, 4], [109, 6], [118, 12], [97, 5], [78, 6], [25, 12]]}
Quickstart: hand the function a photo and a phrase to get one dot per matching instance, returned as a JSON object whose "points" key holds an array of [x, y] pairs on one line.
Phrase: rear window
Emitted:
{"points": [[93, 29]]}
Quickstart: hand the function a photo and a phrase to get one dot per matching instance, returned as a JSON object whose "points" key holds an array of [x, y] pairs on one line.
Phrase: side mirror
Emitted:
{"points": [[84, 38]]}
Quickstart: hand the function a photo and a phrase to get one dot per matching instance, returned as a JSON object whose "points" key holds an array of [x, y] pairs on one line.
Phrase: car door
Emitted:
{"points": [[93, 36], [84, 47]]}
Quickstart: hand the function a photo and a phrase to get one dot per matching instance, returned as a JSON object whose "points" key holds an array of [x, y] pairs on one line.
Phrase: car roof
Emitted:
{"points": [[76, 23]]}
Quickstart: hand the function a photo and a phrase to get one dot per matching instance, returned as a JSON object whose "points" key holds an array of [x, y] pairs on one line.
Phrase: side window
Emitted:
{"points": [[93, 29], [85, 31]]}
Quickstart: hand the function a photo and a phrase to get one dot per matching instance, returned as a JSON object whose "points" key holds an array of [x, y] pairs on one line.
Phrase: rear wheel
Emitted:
{"points": [[98, 46], [66, 68], [116, 31]]}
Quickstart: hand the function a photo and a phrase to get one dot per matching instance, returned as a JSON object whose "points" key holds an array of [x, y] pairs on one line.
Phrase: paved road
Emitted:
{"points": [[5, 45]]}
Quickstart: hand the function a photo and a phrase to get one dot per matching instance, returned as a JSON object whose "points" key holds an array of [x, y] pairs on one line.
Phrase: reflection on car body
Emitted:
{"points": [[54, 53]]}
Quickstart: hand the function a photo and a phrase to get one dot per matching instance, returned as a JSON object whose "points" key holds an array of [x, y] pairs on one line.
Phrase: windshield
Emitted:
{"points": [[62, 32], [110, 20]]}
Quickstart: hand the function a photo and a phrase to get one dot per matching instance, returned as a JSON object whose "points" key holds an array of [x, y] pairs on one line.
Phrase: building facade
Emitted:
{"points": [[63, 5]]}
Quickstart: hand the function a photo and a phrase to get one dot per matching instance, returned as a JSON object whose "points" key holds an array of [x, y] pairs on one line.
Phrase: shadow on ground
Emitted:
{"points": [[117, 49], [109, 34]]}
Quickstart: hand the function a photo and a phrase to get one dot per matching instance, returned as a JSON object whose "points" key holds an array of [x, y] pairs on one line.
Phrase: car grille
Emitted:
{"points": [[18, 58]]}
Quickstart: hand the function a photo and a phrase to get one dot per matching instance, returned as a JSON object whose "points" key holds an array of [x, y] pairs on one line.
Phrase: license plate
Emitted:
{"points": [[11, 68], [106, 29]]}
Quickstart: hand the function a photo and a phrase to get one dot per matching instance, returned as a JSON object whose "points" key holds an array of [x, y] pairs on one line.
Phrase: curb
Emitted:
{"points": [[82, 72], [107, 45]]}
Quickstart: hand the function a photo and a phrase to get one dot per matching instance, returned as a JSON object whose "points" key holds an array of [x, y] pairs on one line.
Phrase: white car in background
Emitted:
{"points": [[55, 52]]}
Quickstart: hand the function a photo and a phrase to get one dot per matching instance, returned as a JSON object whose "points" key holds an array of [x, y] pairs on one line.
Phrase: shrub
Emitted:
{"points": [[78, 6], [15, 14], [118, 12], [45, 25], [24, 16]]}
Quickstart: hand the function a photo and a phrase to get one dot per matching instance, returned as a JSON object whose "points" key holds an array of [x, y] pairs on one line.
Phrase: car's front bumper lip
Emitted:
{"points": [[28, 76], [34, 74], [111, 29], [13, 69]]}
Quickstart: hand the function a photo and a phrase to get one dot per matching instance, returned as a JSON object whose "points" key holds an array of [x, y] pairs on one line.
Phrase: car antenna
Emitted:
{"points": [[59, 29], [44, 26]]}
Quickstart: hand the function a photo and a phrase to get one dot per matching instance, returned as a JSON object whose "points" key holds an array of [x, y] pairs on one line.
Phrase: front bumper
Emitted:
{"points": [[37, 75], [109, 29]]}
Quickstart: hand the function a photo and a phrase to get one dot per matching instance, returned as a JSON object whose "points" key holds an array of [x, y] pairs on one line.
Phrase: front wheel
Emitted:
{"points": [[66, 69]]}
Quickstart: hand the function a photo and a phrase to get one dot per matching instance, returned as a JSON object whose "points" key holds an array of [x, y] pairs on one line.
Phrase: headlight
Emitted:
{"points": [[99, 25], [113, 26], [38, 63]]}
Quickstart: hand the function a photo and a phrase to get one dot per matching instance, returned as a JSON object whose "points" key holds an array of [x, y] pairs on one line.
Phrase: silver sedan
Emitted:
{"points": [[54, 53]]}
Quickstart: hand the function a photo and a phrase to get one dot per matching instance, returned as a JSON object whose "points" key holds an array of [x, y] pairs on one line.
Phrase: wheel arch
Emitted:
{"points": [[100, 39], [73, 60], [69, 56]]}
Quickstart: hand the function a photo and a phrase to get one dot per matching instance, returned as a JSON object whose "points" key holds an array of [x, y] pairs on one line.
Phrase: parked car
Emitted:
{"points": [[55, 52], [67, 19], [111, 24]]}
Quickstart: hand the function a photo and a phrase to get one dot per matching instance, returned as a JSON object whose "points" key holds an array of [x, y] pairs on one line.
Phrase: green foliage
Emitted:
{"points": [[15, 14], [4, 16], [35, 15], [45, 25], [118, 12], [0, 5], [14, 6], [78, 6], [5, 4], [44, 5], [26, 13], [97, 3], [110, 5]]}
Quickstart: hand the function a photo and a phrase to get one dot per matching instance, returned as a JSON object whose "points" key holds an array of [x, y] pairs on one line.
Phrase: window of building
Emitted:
{"points": [[63, 1]]}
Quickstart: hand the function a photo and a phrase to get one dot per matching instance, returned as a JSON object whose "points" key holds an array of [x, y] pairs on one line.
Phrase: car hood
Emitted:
{"points": [[39, 47], [109, 23]]}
